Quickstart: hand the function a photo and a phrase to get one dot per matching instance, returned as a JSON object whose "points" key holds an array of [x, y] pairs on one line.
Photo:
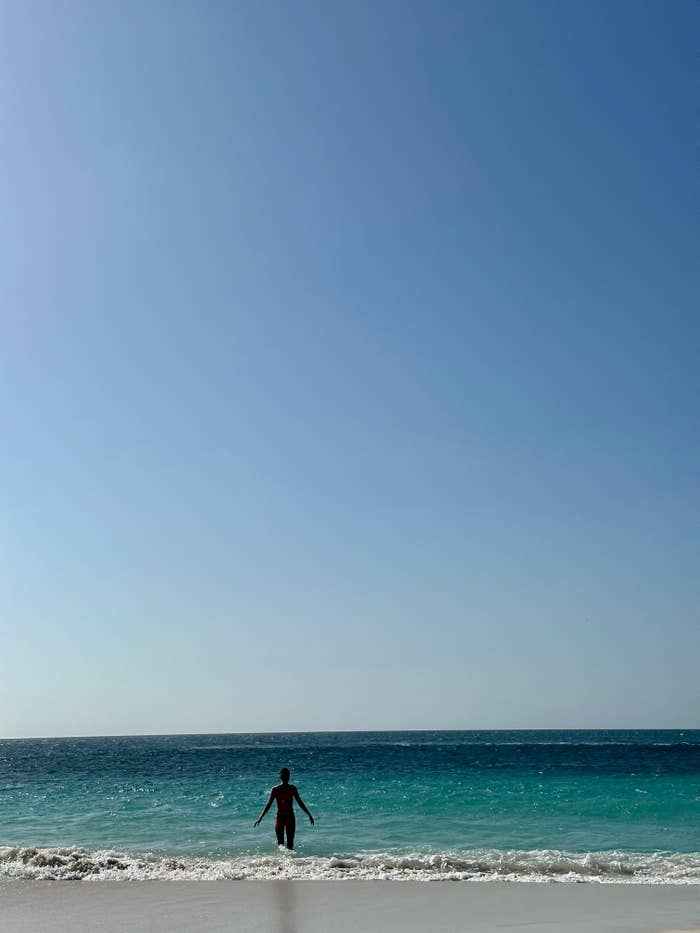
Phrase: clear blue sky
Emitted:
{"points": [[349, 366]]}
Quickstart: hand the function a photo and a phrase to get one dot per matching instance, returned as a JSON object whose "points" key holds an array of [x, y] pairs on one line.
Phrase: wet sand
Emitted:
{"points": [[344, 907]]}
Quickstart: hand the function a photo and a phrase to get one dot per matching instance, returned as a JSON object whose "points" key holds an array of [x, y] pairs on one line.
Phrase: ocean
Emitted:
{"points": [[601, 806]]}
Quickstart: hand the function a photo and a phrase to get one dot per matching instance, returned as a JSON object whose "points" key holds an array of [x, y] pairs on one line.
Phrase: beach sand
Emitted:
{"points": [[344, 907]]}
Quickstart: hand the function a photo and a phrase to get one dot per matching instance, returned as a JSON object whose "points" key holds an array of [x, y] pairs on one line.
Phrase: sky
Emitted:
{"points": [[349, 366]]}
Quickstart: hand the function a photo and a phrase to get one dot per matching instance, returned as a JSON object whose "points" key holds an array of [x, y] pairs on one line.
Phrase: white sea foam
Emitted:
{"points": [[71, 863]]}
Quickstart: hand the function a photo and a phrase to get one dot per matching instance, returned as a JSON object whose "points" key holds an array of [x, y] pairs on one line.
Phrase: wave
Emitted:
{"points": [[479, 865]]}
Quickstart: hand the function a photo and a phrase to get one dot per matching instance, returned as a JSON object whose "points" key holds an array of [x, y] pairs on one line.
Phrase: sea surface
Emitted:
{"points": [[599, 806]]}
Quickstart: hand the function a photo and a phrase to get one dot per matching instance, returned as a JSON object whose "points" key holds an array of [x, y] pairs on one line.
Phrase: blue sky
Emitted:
{"points": [[348, 366]]}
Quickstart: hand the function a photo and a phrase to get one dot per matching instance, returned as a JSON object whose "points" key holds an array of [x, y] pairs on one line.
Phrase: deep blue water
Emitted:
{"points": [[467, 804]]}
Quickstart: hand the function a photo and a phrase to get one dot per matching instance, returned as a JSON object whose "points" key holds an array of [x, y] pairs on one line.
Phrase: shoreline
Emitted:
{"points": [[68, 863], [357, 907]]}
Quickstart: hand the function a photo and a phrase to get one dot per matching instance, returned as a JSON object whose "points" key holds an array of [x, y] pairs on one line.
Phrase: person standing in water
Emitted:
{"points": [[285, 794]]}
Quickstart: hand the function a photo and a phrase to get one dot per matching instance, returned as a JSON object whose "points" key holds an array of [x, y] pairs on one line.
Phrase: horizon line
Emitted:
{"points": [[153, 735]]}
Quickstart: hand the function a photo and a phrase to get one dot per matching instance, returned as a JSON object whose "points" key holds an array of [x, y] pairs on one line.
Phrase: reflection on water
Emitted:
{"points": [[286, 907]]}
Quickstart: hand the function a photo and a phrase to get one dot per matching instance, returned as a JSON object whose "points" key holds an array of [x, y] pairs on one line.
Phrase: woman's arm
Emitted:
{"points": [[302, 805], [267, 807]]}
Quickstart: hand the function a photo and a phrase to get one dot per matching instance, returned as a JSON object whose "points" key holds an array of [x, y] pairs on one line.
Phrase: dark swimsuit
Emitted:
{"points": [[285, 820]]}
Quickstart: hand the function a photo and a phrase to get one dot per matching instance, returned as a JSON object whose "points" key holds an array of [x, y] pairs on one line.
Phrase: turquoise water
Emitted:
{"points": [[600, 805]]}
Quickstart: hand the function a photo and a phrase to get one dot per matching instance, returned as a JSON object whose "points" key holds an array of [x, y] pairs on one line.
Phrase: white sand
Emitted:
{"points": [[344, 907]]}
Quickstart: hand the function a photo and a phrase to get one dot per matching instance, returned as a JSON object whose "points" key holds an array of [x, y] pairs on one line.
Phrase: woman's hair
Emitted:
{"points": [[284, 773]]}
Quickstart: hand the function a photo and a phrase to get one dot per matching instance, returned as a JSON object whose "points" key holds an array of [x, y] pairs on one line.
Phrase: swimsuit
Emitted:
{"points": [[285, 820]]}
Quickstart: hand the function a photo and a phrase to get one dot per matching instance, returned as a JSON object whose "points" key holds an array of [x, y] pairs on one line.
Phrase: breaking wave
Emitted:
{"points": [[541, 865]]}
